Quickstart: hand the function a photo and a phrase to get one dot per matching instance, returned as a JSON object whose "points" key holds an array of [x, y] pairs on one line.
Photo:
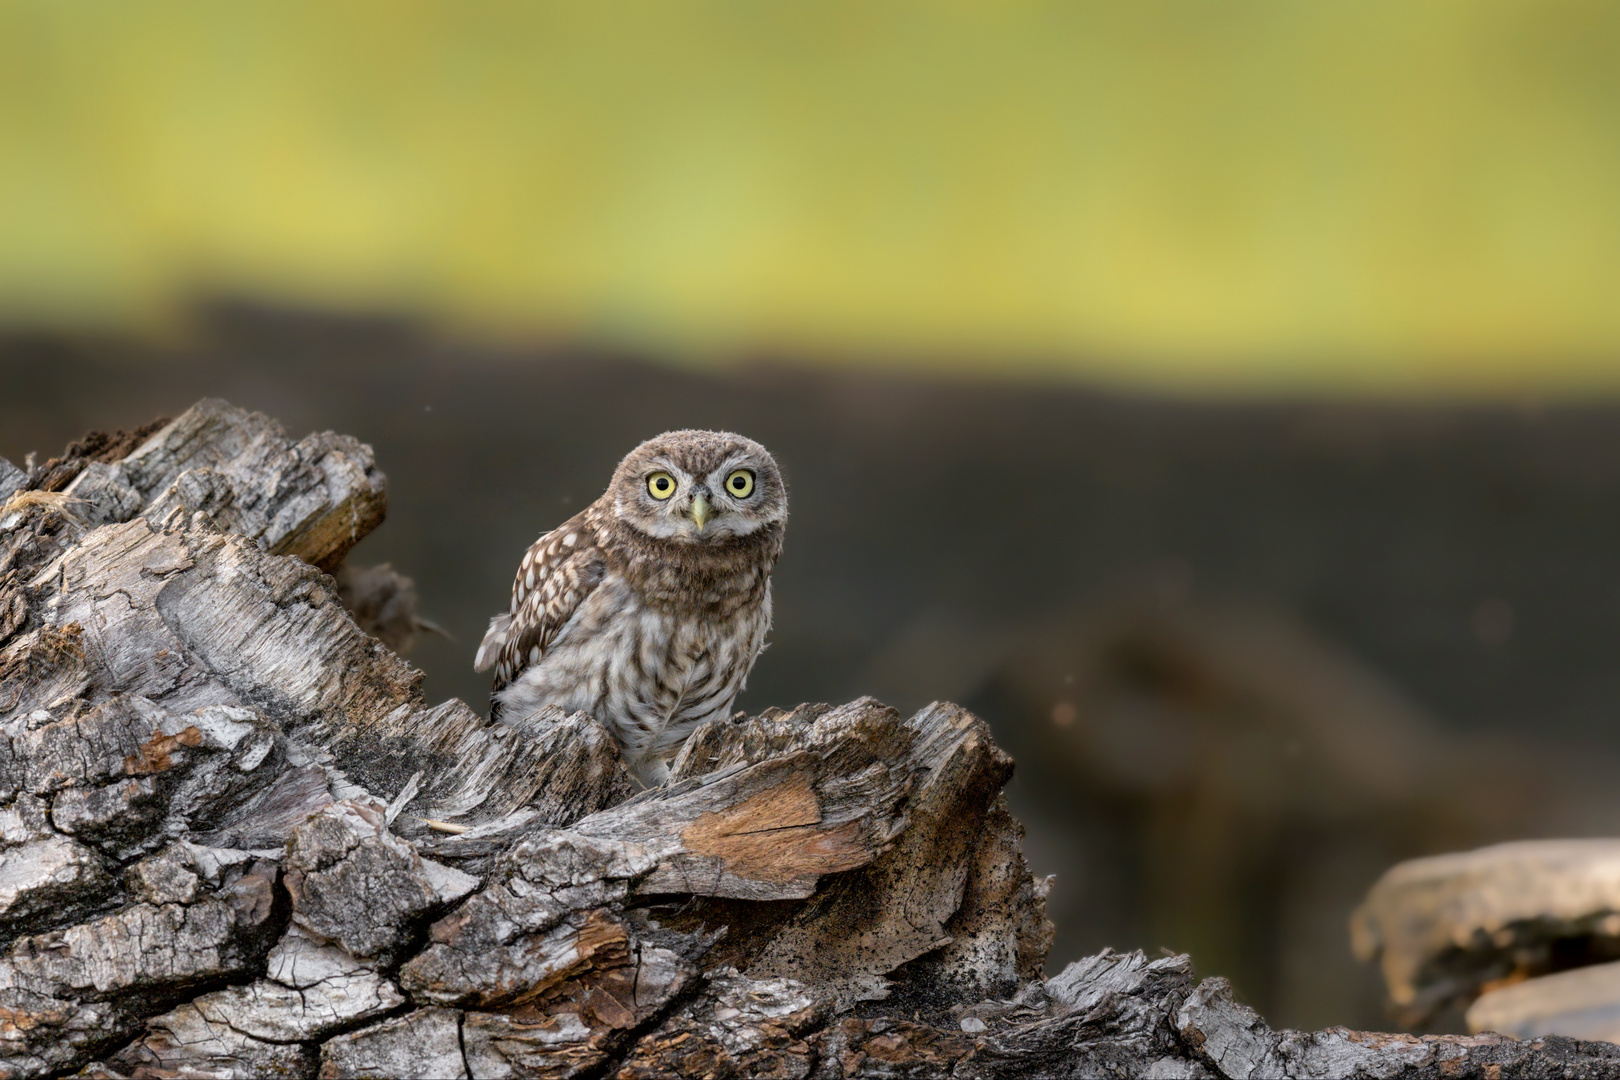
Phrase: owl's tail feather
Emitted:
{"points": [[494, 641]]}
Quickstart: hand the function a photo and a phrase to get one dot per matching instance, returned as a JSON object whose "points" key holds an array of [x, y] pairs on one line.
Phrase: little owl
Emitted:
{"points": [[647, 608]]}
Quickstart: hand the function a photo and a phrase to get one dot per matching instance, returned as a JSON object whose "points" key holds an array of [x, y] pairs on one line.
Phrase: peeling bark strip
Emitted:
{"points": [[215, 856], [777, 837]]}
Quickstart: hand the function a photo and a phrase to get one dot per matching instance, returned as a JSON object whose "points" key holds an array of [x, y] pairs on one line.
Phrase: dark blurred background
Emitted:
{"points": [[1221, 401]]}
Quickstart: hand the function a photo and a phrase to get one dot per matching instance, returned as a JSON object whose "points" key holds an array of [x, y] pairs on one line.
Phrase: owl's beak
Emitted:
{"points": [[700, 510]]}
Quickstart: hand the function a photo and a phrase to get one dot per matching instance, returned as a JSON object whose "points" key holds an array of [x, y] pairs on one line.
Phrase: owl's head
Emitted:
{"points": [[698, 487]]}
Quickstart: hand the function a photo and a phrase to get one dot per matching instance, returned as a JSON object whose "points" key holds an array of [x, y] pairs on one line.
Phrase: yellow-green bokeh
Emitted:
{"points": [[1388, 196]]}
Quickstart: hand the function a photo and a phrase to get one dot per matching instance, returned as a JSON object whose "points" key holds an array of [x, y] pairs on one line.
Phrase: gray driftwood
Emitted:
{"points": [[235, 841]]}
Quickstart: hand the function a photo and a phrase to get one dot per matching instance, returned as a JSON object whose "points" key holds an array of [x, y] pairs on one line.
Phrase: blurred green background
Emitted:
{"points": [[1237, 196], [1219, 398]]}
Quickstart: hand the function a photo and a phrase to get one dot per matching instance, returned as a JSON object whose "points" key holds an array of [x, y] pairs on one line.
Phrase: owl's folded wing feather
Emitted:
{"points": [[559, 571], [494, 640]]}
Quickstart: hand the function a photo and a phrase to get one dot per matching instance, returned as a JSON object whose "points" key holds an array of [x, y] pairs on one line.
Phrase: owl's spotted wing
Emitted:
{"points": [[558, 572]]}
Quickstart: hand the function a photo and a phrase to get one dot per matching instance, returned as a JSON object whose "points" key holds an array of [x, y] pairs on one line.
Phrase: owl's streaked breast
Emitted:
{"points": [[650, 674]]}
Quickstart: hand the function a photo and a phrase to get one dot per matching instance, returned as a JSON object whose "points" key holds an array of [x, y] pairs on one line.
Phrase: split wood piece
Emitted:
{"points": [[326, 494], [425, 1042], [37, 520], [553, 909], [312, 991], [772, 829], [587, 1022], [314, 498], [98, 447], [1443, 928], [357, 885], [98, 788]]}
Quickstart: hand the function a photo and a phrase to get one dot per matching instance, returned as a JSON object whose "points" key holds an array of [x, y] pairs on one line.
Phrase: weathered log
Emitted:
{"points": [[235, 841]]}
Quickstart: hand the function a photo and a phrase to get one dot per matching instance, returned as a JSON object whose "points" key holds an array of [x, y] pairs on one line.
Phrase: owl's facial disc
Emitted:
{"points": [[699, 487]]}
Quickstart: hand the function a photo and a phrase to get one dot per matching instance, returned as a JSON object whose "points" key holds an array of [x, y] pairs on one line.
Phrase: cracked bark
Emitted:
{"points": [[215, 857]]}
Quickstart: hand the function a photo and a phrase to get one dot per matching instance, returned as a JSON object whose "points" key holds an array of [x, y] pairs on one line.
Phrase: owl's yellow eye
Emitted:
{"points": [[740, 483], [661, 485]]}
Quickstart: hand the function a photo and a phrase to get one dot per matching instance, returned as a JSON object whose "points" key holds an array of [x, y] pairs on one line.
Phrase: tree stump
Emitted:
{"points": [[235, 841]]}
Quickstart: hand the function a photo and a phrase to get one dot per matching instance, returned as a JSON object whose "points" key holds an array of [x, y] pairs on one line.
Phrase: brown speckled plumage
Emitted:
{"points": [[647, 613]]}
